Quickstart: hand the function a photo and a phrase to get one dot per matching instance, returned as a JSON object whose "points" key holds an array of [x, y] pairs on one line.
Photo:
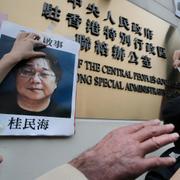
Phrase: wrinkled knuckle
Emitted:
{"points": [[144, 125], [156, 144], [158, 162], [153, 132]]}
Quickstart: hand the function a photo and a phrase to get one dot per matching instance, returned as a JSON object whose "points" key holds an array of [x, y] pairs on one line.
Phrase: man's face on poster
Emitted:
{"points": [[36, 80]]}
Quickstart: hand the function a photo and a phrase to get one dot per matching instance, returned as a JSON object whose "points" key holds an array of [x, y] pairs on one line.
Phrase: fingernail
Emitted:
{"points": [[173, 159], [155, 121], [170, 125], [175, 135]]}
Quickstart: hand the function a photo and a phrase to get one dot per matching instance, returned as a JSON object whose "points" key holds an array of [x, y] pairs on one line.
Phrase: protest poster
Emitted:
{"points": [[49, 80]]}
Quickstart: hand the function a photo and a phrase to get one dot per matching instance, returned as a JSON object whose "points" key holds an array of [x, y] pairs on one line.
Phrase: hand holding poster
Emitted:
{"points": [[38, 94]]}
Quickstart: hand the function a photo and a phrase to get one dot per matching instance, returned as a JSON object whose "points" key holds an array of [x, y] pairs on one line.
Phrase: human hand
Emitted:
{"points": [[176, 59], [24, 45], [121, 153]]}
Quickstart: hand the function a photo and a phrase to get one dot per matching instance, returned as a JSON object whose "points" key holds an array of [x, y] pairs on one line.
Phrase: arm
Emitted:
{"points": [[121, 154], [64, 172], [22, 49]]}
